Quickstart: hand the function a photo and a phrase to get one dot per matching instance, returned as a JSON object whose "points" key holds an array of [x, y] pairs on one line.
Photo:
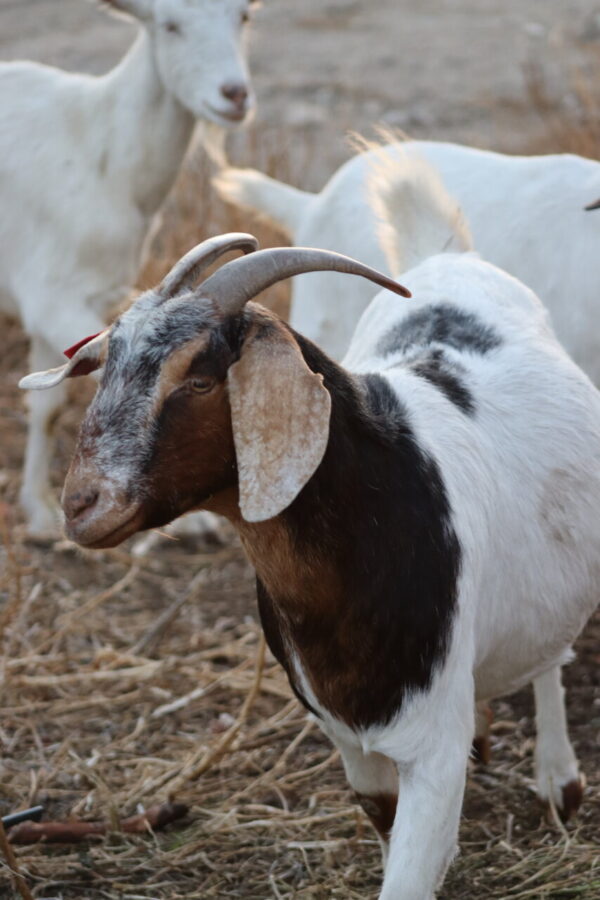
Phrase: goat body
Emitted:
{"points": [[441, 547]]}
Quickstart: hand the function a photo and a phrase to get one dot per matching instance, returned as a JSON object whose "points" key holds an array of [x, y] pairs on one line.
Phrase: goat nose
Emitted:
{"points": [[79, 502], [236, 92]]}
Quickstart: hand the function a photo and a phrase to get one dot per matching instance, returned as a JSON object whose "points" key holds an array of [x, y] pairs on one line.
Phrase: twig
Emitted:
{"points": [[153, 819], [18, 880]]}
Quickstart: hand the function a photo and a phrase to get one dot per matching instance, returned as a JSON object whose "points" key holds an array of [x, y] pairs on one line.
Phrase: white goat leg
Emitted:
{"points": [[43, 406], [424, 837], [557, 773], [374, 780], [71, 322]]}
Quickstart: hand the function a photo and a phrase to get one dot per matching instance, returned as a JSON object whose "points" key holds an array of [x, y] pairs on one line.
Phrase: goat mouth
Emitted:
{"points": [[232, 116], [114, 536]]}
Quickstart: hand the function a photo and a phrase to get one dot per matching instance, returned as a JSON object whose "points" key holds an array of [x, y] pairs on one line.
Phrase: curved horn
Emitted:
{"points": [[591, 206], [186, 271], [242, 279]]}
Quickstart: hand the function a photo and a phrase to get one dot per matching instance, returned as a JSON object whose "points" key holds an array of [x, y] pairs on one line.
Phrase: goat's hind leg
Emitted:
{"points": [[556, 769], [481, 749]]}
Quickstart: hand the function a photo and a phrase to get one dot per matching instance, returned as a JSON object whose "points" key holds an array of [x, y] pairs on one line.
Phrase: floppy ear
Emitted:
{"points": [[85, 357], [280, 415]]}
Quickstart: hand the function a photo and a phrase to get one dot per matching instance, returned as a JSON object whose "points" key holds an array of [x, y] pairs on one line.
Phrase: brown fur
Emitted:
{"points": [[309, 615], [175, 368], [381, 810]]}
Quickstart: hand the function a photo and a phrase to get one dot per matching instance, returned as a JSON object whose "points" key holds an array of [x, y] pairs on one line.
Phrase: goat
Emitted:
{"points": [[85, 163], [422, 519], [526, 214]]}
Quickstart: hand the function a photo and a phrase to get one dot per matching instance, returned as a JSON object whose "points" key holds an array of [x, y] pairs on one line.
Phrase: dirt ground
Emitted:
{"points": [[100, 710]]}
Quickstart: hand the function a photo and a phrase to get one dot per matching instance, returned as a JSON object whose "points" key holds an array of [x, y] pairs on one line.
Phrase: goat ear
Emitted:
{"points": [[280, 414], [139, 9], [89, 357]]}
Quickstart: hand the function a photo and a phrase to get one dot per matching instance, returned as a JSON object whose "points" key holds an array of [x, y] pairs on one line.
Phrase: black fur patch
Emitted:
{"points": [[445, 375], [377, 508], [441, 323]]}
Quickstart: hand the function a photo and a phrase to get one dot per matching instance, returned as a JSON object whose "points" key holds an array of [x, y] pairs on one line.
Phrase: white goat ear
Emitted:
{"points": [[280, 414], [87, 356], [139, 9]]}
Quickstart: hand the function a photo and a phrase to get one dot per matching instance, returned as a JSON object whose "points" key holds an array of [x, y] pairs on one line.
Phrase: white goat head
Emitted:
{"points": [[200, 52]]}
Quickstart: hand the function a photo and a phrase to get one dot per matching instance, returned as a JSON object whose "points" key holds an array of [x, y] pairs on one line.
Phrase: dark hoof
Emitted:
{"points": [[481, 750], [572, 795]]}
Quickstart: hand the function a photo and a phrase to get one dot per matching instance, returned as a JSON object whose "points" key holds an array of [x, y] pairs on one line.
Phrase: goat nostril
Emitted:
{"points": [[236, 93], [79, 502]]}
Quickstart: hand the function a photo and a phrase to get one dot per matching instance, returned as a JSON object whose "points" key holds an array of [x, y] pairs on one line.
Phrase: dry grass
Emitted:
{"points": [[569, 123], [102, 710]]}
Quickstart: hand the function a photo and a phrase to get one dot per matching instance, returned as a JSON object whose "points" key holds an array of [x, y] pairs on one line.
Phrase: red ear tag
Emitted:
{"points": [[73, 350]]}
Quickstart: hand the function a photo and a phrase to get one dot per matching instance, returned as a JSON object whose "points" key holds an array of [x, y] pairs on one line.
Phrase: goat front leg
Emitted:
{"points": [[425, 830], [66, 325], [557, 773], [36, 500], [374, 780]]}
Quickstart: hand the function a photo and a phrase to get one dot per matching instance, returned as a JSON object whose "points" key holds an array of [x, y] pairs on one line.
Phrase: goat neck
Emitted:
{"points": [[150, 130]]}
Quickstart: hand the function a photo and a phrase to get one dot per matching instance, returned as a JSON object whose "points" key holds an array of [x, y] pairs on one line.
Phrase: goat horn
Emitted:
{"points": [[242, 279], [591, 206], [185, 272]]}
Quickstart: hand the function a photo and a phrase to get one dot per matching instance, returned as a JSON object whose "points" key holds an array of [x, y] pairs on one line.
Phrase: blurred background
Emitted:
{"points": [[126, 680]]}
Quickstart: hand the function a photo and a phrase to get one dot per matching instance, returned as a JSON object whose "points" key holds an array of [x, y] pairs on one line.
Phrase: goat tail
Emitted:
{"points": [[416, 215], [282, 204]]}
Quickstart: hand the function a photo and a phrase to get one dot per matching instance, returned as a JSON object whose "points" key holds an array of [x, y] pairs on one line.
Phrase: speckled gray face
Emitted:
{"points": [[118, 430]]}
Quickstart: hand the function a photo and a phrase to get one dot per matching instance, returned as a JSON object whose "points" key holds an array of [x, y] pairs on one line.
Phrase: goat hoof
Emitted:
{"points": [[566, 800], [572, 796], [481, 750]]}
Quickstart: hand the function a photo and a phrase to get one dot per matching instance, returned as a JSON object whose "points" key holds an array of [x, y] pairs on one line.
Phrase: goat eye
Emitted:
{"points": [[202, 385], [172, 28], [245, 17]]}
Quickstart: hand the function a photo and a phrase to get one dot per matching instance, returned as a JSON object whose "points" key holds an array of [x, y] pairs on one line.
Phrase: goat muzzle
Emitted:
{"points": [[98, 512]]}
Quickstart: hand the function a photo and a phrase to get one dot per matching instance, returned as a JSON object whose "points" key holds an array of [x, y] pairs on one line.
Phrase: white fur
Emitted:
{"points": [[85, 164], [526, 215]]}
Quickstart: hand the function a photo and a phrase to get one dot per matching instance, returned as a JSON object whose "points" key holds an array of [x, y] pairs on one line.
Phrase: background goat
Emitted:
{"points": [[526, 213], [85, 164], [422, 520]]}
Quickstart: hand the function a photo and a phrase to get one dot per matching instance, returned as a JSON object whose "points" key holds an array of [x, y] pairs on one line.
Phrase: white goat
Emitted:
{"points": [[423, 519], [527, 215], [85, 164]]}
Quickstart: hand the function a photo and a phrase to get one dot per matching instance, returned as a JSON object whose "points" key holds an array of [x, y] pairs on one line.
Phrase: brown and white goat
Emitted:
{"points": [[423, 523]]}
